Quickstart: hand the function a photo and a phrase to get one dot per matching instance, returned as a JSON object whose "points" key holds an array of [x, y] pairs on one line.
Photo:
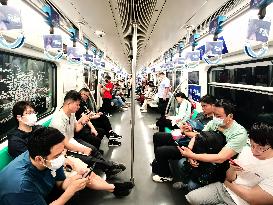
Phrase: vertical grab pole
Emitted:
{"points": [[134, 43]]}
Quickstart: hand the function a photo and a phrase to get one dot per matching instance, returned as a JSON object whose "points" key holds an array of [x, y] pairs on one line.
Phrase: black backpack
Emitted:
{"points": [[210, 142]]}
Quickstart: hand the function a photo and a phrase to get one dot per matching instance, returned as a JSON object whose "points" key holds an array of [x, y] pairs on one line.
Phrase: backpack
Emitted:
{"points": [[210, 142]]}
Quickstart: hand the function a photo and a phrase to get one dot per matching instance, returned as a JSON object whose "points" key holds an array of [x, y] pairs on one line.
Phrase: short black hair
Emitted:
{"points": [[180, 94], [84, 90], [208, 99], [228, 107], [262, 134], [20, 107], [42, 140], [108, 77], [72, 95]]}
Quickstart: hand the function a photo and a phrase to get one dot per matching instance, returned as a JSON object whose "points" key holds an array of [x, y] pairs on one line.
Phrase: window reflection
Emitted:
{"points": [[258, 76], [250, 106]]}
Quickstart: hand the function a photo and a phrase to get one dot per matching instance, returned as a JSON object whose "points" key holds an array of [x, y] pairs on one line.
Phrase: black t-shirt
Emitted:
{"points": [[17, 141], [84, 108]]}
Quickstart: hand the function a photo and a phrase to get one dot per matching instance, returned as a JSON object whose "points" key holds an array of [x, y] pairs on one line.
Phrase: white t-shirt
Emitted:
{"points": [[66, 125], [183, 113], [256, 172], [165, 83]]}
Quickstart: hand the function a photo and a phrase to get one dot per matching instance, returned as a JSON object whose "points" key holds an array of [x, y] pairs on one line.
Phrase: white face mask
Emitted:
{"points": [[57, 163], [31, 119], [218, 121]]}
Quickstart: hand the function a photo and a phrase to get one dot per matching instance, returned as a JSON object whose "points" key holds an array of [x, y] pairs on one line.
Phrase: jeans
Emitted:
{"points": [[118, 101]]}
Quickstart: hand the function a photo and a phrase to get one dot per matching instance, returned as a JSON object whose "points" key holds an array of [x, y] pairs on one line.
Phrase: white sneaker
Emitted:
{"points": [[160, 179], [143, 110], [153, 126]]}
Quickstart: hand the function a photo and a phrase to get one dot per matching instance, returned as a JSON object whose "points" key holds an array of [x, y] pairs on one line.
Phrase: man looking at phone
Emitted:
{"points": [[236, 137], [30, 178], [164, 142], [250, 180], [65, 121]]}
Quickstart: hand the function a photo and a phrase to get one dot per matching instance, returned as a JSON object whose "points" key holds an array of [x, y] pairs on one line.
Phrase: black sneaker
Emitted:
{"points": [[112, 172], [114, 135], [114, 143], [122, 189], [118, 166]]}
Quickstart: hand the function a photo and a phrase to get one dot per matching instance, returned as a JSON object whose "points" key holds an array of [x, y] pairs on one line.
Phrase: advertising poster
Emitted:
{"points": [[194, 92], [193, 55], [73, 53], [214, 47], [88, 57], [53, 41], [10, 18], [258, 30]]}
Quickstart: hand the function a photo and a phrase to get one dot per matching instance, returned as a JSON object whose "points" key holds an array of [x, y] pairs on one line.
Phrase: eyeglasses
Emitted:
{"points": [[259, 148]]}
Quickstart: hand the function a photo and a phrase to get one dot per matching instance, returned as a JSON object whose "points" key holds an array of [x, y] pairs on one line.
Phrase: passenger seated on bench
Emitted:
{"points": [[29, 178], [25, 117], [182, 114], [202, 118], [65, 121], [236, 137], [248, 182], [148, 94], [39, 169], [18, 138], [98, 120], [235, 134], [116, 98]]}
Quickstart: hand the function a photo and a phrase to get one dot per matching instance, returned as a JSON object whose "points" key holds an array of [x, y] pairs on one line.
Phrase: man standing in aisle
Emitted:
{"points": [[163, 93], [107, 96]]}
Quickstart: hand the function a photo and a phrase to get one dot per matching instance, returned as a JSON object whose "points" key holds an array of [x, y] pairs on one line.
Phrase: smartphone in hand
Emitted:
{"points": [[175, 142], [86, 174], [234, 163]]}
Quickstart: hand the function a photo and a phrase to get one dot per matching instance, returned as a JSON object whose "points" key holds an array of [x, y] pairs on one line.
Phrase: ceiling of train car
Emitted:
{"points": [[161, 23]]}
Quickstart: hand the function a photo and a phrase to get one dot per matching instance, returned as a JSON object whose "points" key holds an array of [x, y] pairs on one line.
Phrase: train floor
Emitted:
{"points": [[145, 192]]}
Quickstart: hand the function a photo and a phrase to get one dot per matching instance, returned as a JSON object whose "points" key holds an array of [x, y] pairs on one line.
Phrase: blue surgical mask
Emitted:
{"points": [[218, 121]]}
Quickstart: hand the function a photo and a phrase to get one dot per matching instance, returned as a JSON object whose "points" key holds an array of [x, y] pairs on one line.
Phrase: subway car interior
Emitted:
{"points": [[131, 87]]}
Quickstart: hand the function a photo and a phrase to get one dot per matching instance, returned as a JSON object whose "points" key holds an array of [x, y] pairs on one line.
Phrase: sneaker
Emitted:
{"points": [[143, 110], [160, 179], [112, 172], [101, 151], [122, 189], [153, 126], [114, 135], [119, 166], [124, 185], [179, 185], [108, 115], [114, 143]]}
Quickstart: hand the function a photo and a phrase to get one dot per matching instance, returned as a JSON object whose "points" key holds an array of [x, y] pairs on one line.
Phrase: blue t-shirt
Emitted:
{"points": [[23, 184]]}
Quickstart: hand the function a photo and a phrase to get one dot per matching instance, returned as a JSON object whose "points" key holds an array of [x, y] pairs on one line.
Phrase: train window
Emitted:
{"points": [[23, 78], [257, 76], [250, 106], [193, 77], [178, 74]]}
